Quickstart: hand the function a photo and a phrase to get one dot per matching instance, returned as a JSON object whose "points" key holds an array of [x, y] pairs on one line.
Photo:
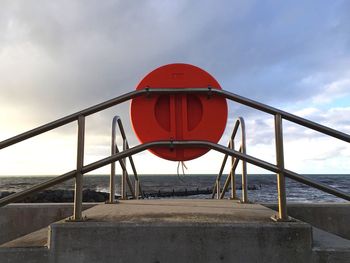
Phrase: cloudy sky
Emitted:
{"points": [[58, 57]]}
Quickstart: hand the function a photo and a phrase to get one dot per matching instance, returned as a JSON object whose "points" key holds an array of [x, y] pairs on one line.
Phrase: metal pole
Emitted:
{"points": [[218, 177], [232, 172], [217, 189], [228, 179], [123, 181], [112, 176], [244, 163], [281, 184], [78, 192], [137, 189]]}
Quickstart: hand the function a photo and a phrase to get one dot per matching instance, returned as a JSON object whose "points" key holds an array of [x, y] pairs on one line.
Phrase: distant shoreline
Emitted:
{"points": [[63, 195], [262, 187]]}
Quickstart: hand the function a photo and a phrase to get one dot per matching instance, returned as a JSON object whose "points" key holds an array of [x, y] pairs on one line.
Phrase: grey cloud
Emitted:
{"points": [[96, 50]]}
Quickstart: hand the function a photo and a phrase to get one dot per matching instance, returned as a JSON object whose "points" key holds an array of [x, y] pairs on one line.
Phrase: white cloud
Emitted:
{"points": [[333, 90]]}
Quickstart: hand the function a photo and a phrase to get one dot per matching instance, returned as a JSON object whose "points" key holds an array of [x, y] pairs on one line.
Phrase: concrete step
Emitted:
{"points": [[180, 231], [37, 238], [329, 247], [20, 219], [31, 248], [26, 254], [331, 217]]}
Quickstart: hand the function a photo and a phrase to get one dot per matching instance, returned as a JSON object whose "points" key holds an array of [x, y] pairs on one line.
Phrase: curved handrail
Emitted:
{"points": [[125, 175], [204, 144], [149, 91], [278, 115], [216, 188], [234, 163], [259, 106], [218, 148], [70, 118]]}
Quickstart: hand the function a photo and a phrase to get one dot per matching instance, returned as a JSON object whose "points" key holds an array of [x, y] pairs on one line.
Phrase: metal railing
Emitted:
{"points": [[230, 180], [171, 144], [125, 176], [279, 169]]}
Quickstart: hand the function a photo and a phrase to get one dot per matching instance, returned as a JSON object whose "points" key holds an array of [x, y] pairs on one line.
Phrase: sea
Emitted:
{"points": [[262, 187]]}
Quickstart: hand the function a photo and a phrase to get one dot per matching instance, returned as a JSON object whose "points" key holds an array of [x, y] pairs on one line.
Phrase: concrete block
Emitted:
{"points": [[110, 242], [17, 220], [27, 255], [331, 217]]}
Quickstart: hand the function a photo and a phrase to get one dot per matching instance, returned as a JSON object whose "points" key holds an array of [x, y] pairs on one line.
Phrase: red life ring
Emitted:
{"points": [[179, 116]]}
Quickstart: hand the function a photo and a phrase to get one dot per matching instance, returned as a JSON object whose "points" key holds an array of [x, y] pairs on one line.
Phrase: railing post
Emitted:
{"points": [[78, 192], [281, 184], [112, 176], [244, 163], [123, 179], [137, 188], [217, 189], [232, 172]]}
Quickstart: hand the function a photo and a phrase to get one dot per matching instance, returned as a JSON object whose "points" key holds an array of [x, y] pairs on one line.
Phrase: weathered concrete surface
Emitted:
{"points": [[20, 219], [180, 231], [37, 238], [172, 242], [330, 217], [179, 210], [329, 248], [25, 255]]}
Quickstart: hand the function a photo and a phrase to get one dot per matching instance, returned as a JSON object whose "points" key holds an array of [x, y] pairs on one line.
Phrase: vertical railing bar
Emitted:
{"points": [[223, 165], [123, 179], [129, 183], [113, 151], [121, 128], [137, 189], [219, 175], [125, 173], [281, 184], [218, 189], [78, 190], [244, 163], [228, 179], [233, 185], [218, 178], [124, 170], [232, 172], [226, 184], [131, 160]]}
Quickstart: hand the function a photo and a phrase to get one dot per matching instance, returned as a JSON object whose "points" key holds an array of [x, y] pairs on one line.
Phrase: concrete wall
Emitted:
{"points": [[185, 242], [330, 217], [20, 219]]}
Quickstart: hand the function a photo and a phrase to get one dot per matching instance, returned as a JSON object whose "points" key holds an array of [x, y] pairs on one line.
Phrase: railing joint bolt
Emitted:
{"points": [[209, 92]]}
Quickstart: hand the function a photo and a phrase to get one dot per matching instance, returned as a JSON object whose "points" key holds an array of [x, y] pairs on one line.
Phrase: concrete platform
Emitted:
{"points": [[177, 230], [159, 211], [179, 210]]}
